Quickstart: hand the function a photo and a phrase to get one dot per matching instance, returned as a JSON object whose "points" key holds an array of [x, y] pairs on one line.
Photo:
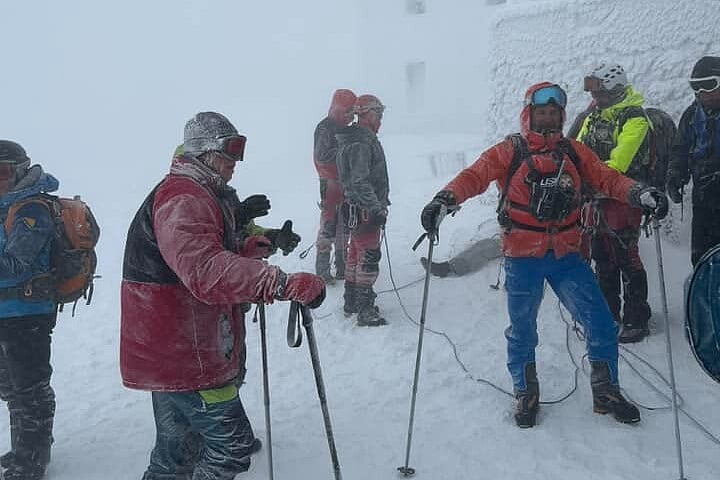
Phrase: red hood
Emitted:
{"points": [[537, 141]]}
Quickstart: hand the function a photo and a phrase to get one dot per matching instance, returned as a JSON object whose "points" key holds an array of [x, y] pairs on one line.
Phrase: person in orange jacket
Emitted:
{"points": [[540, 174], [332, 227]]}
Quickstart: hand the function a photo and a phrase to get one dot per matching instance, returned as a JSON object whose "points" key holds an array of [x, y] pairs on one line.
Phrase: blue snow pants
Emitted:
{"points": [[226, 438], [573, 282]]}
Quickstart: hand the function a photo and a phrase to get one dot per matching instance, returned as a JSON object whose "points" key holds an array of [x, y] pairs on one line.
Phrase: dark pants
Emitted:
{"points": [[25, 385], [620, 271], [705, 231], [186, 423]]}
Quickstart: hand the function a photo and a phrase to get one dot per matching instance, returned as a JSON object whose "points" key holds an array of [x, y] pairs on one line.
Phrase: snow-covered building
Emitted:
{"points": [[428, 59]]}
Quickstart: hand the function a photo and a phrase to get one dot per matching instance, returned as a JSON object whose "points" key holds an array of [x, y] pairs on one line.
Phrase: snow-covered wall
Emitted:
{"points": [[657, 41]]}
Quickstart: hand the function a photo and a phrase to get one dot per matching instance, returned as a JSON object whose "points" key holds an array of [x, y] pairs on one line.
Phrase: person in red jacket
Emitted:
{"points": [[187, 282], [540, 173], [332, 228]]}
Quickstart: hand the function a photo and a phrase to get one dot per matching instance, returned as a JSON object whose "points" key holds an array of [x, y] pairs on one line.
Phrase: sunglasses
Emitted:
{"points": [[232, 147], [547, 95], [705, 84]]}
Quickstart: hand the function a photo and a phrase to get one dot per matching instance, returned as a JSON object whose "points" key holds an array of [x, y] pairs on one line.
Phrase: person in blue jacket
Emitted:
{"points": [[27, 313]]}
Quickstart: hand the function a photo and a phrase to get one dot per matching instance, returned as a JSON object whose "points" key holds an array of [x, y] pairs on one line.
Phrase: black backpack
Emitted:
{"points": [[662, 136], [650, 163]]}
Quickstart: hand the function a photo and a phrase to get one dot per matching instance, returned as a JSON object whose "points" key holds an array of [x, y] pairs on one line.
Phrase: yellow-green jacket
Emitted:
{"points": [[617, 133]]}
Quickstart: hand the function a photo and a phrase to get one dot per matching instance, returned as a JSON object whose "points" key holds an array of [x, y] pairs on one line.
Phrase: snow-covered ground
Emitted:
{"points": [[107, 128]]}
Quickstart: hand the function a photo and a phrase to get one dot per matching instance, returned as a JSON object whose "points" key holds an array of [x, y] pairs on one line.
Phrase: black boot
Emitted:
{"points": [[368, 313], [322, 267], [350, 297], [633, 332], [528, 401], [607, 397], [439, 269]]}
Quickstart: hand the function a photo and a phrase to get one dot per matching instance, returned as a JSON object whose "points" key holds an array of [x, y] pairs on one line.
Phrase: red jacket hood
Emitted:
{"points": [[537, 141]]}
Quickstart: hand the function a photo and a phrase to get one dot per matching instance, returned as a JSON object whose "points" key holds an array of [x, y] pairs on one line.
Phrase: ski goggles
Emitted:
{"points": [[547, 95], [232, 147], [705, 84]]}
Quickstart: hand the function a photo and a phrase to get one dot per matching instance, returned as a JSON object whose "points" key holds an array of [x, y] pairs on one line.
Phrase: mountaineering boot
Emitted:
{"points": [[633, 332], [368, 313], [607, 397], [350, 297], [528, 400], [439, 269], [322, 267]]}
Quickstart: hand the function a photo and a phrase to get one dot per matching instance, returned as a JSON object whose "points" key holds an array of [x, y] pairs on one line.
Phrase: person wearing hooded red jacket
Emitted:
{"points": [[539, 174], [332, 228], [186, 285], [363, 172]]}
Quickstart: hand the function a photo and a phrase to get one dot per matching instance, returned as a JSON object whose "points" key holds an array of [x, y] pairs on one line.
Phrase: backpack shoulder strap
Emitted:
{"points": [[520, 151], [40, 199]]}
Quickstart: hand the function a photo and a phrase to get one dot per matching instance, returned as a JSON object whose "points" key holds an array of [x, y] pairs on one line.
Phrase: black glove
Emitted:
{"points": [[675, 189], [378, 217], [430, 215], [252, 207], [649, 199], [284, 239]]}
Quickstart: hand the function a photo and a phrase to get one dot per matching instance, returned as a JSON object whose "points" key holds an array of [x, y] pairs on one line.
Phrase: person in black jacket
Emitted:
{"points": [[696, 155], [363, 173]]}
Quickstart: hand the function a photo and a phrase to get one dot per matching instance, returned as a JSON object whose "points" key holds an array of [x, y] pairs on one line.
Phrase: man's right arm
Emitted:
{"points": [[678, 167]]}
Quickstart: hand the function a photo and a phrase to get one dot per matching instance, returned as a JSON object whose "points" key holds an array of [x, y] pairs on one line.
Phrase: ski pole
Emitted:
{"points": [[266, 387], [661, 275], [406, 470], [307, 322]]}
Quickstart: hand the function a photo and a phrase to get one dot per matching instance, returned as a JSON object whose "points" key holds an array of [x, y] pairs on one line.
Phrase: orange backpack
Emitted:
{"points": [[72, 255]]}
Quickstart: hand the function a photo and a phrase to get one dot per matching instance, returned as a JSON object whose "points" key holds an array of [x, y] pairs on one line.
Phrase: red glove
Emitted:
{"points": [[305, 288], [256, 247]]}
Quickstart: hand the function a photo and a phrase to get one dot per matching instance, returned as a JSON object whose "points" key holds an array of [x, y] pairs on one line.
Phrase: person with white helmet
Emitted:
{"points": [[616, 129]]}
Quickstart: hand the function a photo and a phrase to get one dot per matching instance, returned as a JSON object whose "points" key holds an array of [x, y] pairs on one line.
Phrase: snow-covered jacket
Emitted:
{"points": [[563, 236], [362, 168], [182, 325], [324, 157], [25, 249]]}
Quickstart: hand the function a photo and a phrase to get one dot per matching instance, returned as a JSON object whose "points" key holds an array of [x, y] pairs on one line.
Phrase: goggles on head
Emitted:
{"points": [[705, 84], [375, 108], [551, 94], [232, 147]]}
